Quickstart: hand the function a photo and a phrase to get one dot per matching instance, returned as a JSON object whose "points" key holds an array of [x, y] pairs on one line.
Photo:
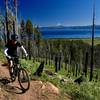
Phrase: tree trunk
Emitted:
{"points": [[73, 70], [76, 65], [86, 64], [29, 48], [78, 69], [38, 53], [49, 58], [56, 65], [6, 18], [59, 65], [66, 65], [46, 58], [4, 32]]}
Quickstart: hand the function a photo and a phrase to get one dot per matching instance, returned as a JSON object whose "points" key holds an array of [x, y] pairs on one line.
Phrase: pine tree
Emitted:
{"points": [[29, 31]]}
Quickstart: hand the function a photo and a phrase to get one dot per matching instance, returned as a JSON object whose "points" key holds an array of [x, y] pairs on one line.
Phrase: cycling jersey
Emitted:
{"points": [[12, 48]]}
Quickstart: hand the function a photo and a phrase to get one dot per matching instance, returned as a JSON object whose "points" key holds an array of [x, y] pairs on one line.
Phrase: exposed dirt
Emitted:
{"points": [[38, 90]]}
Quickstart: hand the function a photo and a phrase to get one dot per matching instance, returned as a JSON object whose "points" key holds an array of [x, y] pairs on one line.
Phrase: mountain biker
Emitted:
{"points": [[11, 50]]}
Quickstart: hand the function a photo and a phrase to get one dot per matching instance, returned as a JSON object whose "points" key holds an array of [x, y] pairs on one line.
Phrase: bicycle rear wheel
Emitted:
{"points": [[23, 79]]}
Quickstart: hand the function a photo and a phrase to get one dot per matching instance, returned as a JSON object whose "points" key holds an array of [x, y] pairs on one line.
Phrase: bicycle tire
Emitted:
{"points": [[20, 76]]}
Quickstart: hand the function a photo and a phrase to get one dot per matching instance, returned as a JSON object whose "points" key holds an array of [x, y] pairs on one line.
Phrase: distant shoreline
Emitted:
{"points": [[72, 38]]}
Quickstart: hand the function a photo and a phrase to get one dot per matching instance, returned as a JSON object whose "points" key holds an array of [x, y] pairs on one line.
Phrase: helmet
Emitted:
{"points": [[14, 36]]}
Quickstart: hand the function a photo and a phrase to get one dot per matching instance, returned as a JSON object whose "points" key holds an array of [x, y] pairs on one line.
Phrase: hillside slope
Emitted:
{"points": [[38, 90]]}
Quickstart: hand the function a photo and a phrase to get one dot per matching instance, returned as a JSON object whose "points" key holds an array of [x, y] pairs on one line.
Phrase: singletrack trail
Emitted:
{"points": [[38, 90]]}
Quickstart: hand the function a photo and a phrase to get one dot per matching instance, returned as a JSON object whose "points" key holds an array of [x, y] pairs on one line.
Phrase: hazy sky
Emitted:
{"points": [[57, 12]]}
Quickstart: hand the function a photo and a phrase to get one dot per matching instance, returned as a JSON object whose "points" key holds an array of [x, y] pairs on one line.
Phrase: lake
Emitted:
{"points": [[68, 33]]}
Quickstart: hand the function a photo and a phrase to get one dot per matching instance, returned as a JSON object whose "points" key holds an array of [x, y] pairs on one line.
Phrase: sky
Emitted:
{"points": [[57, 12]]}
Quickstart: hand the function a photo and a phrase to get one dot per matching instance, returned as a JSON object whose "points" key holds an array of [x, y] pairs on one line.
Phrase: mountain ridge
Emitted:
{"points": [[71, 27]]}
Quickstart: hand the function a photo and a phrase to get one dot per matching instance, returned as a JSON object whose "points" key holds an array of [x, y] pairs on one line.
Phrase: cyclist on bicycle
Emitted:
{"points": [[11, 50]]}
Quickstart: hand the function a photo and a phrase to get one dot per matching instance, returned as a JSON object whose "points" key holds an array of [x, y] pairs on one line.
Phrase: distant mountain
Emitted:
{"points": [[71, 27]]}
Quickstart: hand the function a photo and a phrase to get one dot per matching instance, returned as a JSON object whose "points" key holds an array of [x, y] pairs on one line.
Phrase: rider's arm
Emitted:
{"points": [[24, 51], [5, 52], [21, 46]]}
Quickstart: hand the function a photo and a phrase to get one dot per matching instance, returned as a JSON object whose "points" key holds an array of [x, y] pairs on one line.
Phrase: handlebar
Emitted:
{"points": [[14, 57], [18, 57]]}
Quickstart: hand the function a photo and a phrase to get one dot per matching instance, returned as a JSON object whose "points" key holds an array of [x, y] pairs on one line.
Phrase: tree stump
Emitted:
{"points": [[39, 70]]}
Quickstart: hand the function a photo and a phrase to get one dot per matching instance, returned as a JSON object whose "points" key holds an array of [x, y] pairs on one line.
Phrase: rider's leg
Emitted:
{"points": [[17, 62], [8, 61], [10, 65]]}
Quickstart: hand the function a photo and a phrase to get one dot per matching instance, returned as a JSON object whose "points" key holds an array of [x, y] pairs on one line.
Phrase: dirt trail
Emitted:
{"points": [[38, 90]]}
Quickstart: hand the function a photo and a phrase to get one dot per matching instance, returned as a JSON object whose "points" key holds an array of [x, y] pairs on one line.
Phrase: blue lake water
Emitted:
{"points": [[69, 33]]}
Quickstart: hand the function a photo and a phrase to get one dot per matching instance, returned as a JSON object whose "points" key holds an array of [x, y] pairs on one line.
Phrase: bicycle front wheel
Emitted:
{"points": [[12, 74], [23, 79]]}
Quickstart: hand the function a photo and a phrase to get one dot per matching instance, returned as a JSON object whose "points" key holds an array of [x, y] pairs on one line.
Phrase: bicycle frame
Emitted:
{"points": [[17, 71], [14, 64]]}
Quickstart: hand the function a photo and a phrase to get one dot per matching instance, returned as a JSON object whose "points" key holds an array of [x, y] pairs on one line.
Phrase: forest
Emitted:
{"points": [[74, 55]]}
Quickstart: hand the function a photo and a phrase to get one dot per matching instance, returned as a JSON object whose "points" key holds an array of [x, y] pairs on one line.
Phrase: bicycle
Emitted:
{"points": [[21, 73]]}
